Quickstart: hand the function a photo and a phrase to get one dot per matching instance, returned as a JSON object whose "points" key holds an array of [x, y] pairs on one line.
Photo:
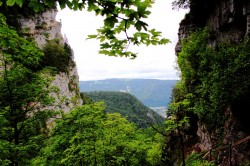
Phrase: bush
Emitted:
{"points": [[196, 160], [57, 55]]}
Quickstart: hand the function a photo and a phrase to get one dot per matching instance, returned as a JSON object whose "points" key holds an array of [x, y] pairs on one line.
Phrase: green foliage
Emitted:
{"points": [[212, 78], [85, 135], [34, 5], [16, 48], [57, 55], [173, 123], [24, 91], [193, 57], [85, 99], [154, 154], [119, 16], [128, 106], [88, 136], [182, 99], [196, 160]]}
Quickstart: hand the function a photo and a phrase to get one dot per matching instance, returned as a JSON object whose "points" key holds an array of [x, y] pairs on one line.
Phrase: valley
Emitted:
{"points": [[152, 92]]}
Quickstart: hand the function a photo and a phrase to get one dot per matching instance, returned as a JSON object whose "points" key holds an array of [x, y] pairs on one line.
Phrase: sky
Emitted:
{"points": [[152, 62]]}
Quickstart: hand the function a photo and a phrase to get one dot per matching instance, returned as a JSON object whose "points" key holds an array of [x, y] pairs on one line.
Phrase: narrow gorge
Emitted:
{"points": [[207, 120]]}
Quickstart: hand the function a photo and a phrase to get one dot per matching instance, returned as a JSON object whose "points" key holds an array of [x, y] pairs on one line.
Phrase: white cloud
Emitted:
{"points": [[152, 61]]}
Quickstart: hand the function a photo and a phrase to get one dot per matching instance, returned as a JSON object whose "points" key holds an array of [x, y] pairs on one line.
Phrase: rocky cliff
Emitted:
{"points": [[43, 27], [228, 21]]}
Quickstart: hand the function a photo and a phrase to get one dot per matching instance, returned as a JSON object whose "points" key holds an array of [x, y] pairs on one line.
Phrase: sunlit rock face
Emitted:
{"points": [[43, 27]]}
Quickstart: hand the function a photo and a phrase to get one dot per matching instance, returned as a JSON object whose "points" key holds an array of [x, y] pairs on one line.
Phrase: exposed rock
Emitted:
{"points": [[185, 29], [229, 21], [205, 137], [69, 94], [43, 27]]}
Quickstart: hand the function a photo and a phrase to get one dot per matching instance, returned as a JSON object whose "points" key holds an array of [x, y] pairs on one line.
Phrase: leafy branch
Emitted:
{"points": [[119, 16]]}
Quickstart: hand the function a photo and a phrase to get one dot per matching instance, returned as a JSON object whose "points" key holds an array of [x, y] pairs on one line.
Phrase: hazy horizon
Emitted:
{"points": [[131, 79]]}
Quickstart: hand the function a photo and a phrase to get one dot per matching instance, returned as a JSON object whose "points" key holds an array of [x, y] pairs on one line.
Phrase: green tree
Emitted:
{"points": [[123, 22], [22, 97], [88, 136], [128, 106]]}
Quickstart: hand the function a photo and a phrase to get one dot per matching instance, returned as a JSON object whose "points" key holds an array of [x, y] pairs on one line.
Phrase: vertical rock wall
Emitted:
{"points": [[246, 12], [229, 21], [43, 27]]}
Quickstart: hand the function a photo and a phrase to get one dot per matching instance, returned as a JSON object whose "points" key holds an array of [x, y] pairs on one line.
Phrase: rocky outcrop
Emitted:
{"points": [[229, 21], [41, 28], [68, 96], [246, 12]]}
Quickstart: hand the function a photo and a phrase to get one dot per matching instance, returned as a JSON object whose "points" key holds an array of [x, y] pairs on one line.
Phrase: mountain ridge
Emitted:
{"points": [[128, 106], [151, 92]]}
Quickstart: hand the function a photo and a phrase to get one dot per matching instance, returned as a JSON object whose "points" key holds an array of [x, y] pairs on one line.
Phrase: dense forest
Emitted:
{"points": [[88, 136], [128, 106], [207, 123]]}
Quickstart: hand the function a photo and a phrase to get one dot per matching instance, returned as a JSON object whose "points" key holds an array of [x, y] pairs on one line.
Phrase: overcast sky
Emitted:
{"points": [[152, 62]]}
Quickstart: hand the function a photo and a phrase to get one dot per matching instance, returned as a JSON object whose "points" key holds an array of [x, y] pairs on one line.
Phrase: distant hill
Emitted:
{"points": [[151, 92], [128, 106]]}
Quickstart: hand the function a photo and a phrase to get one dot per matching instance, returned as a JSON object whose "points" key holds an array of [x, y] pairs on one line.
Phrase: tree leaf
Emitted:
{"points": [[138, 25], [10, 2], [110, 21], [19, 3], [92, 36]]}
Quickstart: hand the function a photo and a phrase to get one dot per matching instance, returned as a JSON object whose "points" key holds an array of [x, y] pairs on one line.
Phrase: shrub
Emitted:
{"points": [[196, 160], [57, 55]]}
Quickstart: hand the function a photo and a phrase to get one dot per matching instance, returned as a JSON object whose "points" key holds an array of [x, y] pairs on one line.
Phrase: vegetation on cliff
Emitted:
{"points": [[24, 92], [57, 55], [213, 79], [214, 91]]}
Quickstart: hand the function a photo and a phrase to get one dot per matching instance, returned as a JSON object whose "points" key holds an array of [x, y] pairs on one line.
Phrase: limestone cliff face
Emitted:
{"points": [[43, 27], [229, 20]]}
